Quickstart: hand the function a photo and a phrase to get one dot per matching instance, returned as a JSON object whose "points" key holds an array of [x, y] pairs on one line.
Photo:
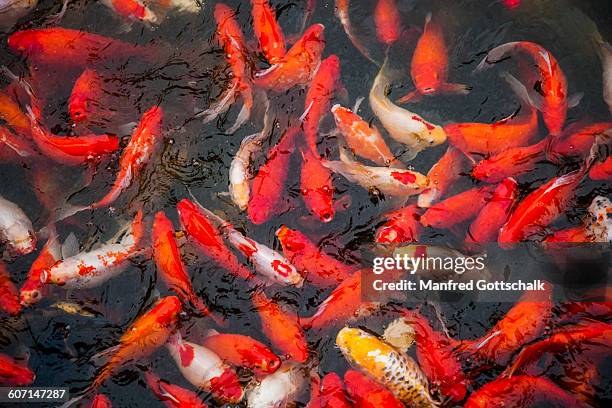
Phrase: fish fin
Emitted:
{"points": [[574, 100], [358, 103], [494, 56], [220, 106], [97, 358], [69, 210], [70, 247], [243, 116], [412, 96], [210, 332], [518, 88], [127, 128], [460, 89], [166, 394], [343, 93]]}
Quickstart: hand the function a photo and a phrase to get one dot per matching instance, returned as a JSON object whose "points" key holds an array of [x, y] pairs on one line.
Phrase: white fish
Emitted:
{"points": [[13, 10], [402, 125], [16, 228], [600, 222], [605, 53], [279, 389], [389, 181], [93, 268]]}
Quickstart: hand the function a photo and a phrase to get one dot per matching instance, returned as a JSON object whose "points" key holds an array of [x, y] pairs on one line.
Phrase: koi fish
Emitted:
{"points": [[131, 10], [571, 312], [386, 180], [172, 395], [402, 125], [602, 170], [521, 391], [400, 334], [401, 226], [549, 93], [367, 393], [100, 401], [330, 394], [485, 227], [205, 370], [456, 209], [317, 102], [73, 48], [342, 12], [429, 67], [11, 113], [364, 140], [577, 142], [170, 266], [510, 163], [14, 373], [387, 21], [442, 175], [268, 186], [342, 305], [281, 328], [574, 234], [208, 239], [316, 186], [243, 351], [604, 50], [85, 96], [299, 64], [383, 363], [16, 230], [280, 388], [9, 296], [93, 268], [231, 37], [437, 358], [267, 30]]}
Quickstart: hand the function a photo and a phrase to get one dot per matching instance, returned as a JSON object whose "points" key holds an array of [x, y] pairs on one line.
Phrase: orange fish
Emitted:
{"points": [[388, 22], [577, 141], [100, 401], [14, 373], [511, 162], [429, 67], [574, 234], [267, 30], [131, 10], [442, 175], [9, 296], [281, 328], [367, 393], [172, 395], [85, 96], [456, 209], [330, 394], [243, 351], [316, 186], [11, 113], [401, 226], [602, 170]]}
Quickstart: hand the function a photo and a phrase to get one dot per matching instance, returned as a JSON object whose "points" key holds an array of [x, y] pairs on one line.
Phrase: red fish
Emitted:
{"points": [[208, 239], [170, 266], [330, 394], [100, 401], [9, 296], [243, 351], [267, 30], [388, 22], [602, 171], [131, 10], [548, 93], [316, 266], [485, 228], [367, 393], [575, 311], [573, 234], [429, 67], [521, 391], [508, 163], [172, 395], [33, 289], [577, 141], [298, 66], [437, 357], [65, 47], [456, 209], [442, 175], [268, 186], [13, 373], [401, 226], [281, 328], [316, 186], [511, 4], [85, 96]]}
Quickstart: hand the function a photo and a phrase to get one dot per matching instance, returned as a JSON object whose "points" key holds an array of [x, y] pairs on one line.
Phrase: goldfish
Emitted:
{"points": [[299, 64], [442, 175], [521, 391], [485, 227], [73, 48], [100, 401], [132, 10], [456, 209], [282, 328], [231, 37], [280, 388], [341, 8], [317, 102], [9, 296], [364, 140], [317, 267], [601, 170], [604, 50], [91, 269], [16, 230], [170, 266], [386, 180], [316, 186], [330, 394], [402, 125], [437, 358], [11, 113], [385, 364], [208, 239], [205, 369], [429, 66], [243, 351], [342, 305], [387, 21], [576, 141], [510, 163], [267, 30], [172, 395], [573, 234], [13, 373], [367, 393], [401, 226], [268, 186], [548, 93], [85, 96]]}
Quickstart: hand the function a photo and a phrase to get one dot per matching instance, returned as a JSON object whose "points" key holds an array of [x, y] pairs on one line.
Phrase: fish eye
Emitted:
{"points": [[538, 87]]}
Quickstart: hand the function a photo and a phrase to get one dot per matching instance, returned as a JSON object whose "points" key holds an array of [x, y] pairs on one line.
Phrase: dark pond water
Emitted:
{"points": [[197, 157]]}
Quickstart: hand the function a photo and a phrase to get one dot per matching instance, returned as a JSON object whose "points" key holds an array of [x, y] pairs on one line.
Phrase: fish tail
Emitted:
{"points": [[206, 312], [220, 106]]}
